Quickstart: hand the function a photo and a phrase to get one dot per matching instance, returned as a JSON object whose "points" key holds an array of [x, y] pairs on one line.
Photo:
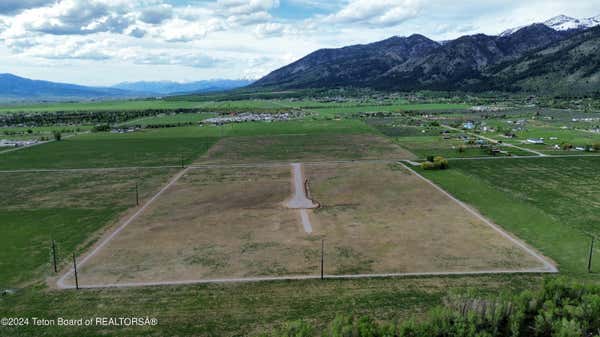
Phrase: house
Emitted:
{"points": [[469, 125], [535, 140]]}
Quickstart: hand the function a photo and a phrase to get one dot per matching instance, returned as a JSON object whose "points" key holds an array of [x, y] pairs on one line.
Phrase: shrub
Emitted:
{"points": [[427, 165], [57, 136], [559, 309], [440, 163]]}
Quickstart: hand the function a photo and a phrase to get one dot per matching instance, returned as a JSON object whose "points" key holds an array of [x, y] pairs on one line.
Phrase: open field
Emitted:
{"points": [[551, 203], [245, 309], [340, 111], [162, 119], [144, 148], [303, 147], [231, 223], [67, 207], [550, 214], [141, 105]]}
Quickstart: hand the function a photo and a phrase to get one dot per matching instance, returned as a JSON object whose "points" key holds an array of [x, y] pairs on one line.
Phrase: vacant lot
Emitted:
{"points": [[227, 223], [212, 224], [380, 218], [67, 207], [304, 147]]}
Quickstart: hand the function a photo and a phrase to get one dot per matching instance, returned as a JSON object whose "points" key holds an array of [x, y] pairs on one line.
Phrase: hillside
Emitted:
{"points": [[467, 63], [570, 66]]}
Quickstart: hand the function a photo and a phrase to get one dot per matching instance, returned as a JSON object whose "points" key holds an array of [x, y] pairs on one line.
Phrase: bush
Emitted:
{"points": [[559, 309], [57, 136], [596, 146], [440, 163], [427, 165]]}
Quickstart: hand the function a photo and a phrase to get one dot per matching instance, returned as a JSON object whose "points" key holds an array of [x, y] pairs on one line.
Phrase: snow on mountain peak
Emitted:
{"points": [[563, 22]]}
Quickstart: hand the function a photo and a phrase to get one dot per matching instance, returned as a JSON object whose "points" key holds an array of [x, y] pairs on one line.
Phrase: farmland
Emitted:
{"points": [[226, 216]]}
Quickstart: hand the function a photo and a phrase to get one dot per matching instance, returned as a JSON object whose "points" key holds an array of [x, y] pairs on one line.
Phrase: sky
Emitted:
{"points": [[104, 42]]}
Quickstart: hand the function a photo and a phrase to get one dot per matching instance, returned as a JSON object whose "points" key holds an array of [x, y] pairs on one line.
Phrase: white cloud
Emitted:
{"points": [[70, 17], [13, 6], [245, 7], [178, 30], [377, 12], [270, 29]]}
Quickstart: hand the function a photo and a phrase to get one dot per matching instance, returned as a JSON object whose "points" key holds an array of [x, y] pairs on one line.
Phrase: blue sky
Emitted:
{"points": [[103, 42]]}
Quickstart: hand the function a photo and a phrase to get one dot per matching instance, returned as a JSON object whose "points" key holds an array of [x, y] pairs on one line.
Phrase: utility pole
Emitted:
{"points": [[75, 269], [322, 257], [590, 257], [54, 256], [137, 195], [181, 157]]}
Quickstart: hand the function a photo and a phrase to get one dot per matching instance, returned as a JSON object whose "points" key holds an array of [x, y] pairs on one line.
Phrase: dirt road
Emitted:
{"points": [[299, 200]]}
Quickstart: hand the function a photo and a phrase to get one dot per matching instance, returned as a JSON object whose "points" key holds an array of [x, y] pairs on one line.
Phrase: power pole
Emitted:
{"points": [[137, 195], [54, 256], [181, 157], [590, 257], [322, 257], [75, 269]]}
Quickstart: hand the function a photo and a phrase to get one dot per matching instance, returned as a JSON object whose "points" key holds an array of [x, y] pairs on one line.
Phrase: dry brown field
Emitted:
{"points": [[375, 218]]}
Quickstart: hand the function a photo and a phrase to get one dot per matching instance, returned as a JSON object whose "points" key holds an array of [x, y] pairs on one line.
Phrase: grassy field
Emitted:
{"points": [[548, 202], [170, 119], [141, 105], [47, 132], [341, 111], [552, 203], [66, 207], [303, 147], [145, 148], [155, 147], [243, 309]]}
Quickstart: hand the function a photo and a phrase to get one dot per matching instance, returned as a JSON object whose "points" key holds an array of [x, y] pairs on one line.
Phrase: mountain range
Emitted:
{"points": [[558, 56], [169, 87], [14, 89]]}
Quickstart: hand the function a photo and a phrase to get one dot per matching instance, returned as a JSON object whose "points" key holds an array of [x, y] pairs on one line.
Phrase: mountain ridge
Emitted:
{"points": [[419, 63]]}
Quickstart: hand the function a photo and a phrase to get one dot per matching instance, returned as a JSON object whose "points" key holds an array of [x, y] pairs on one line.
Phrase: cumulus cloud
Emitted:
{"points": [[14, 6], [245, 12], [156, 14], [245, 7], [382, 13], [270, 29], [178, 30], [64, 48], [70, 17]]}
